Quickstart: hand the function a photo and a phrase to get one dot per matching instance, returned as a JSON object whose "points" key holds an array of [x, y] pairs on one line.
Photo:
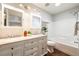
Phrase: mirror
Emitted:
{"points": [[12, 17], [36, 21]]}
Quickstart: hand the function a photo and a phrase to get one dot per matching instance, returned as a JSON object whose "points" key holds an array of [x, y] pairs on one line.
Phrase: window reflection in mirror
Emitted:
{"points": [[36, 22], [12, 18]]}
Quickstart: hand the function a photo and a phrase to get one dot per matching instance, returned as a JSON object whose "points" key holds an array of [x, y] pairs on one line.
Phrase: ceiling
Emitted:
{"points": [[52, 9]]}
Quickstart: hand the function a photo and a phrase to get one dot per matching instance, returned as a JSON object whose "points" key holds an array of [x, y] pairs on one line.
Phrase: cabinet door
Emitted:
{"points": [[44, 45], [40, 47], [17, 49], [5, 51], [32, 47]]}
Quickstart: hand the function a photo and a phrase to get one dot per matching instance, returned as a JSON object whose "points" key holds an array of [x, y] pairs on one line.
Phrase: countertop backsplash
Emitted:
{"points": [[35, 31], [9, 32], [13, 32]]}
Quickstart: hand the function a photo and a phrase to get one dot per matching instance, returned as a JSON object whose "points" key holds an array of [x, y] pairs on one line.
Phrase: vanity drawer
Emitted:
{"points": [[32, 42], [17, 44], [31, 46], [31, 52]]}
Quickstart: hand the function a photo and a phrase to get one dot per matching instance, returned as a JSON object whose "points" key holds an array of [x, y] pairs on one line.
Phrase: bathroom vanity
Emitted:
{"points": [[35, 45]]}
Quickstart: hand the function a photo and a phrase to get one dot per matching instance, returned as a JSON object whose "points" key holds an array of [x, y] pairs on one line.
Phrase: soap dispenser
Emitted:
{"points": [[25, 33]]}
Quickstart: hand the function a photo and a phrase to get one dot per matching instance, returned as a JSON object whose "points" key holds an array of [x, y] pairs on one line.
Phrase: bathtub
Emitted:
{"points": [[68, 47]]}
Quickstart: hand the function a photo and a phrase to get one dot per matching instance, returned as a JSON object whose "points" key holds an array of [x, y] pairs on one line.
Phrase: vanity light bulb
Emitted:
{"points": [[28, 7], [21, 5], [57, 4]]}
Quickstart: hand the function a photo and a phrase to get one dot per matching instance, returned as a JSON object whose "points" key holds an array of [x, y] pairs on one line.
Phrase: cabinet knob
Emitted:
{"points": [[31, 42], [12, 48], [42, 48]]}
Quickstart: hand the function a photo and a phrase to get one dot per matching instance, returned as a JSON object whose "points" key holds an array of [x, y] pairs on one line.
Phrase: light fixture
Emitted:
{"points": [[57, 4], [28, 7], [21, 5]]}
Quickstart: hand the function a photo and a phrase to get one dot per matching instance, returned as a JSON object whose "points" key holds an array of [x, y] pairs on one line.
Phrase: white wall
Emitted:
{"points": [[51, 30], [64, 26], [46, 17]]}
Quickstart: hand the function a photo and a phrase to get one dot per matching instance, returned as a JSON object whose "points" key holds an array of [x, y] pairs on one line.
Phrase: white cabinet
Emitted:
{"points": [[13, 49], [31, 47], [36, 46]]}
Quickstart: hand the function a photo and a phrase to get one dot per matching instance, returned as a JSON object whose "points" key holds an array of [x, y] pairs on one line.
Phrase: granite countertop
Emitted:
{"points": [[16, 39]]}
